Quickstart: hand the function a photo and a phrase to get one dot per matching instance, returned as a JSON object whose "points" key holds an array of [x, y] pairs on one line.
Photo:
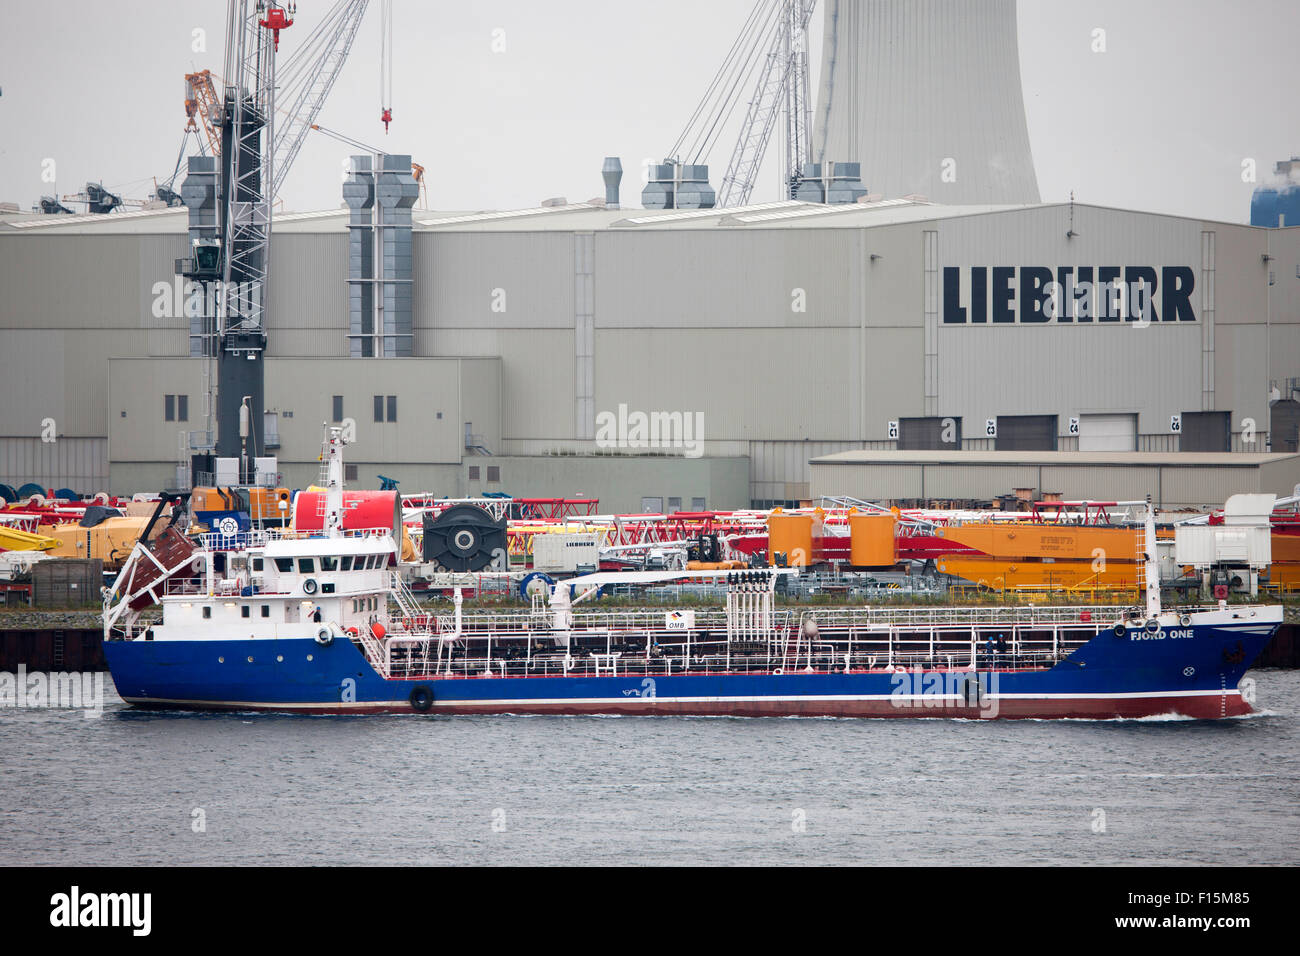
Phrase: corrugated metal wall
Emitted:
{"points": [[77, 463], [1069, 368], [307, 314]]}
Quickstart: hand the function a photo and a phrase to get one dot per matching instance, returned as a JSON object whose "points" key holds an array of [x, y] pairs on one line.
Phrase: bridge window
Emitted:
{"points": [[284, 564], [345, 563], [266, 610], [306, 565], [329, 563], [245, 611], [207, 612]]}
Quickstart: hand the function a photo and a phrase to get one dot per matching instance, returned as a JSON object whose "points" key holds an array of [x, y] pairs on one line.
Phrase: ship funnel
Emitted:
{"points": [[612, 172]]}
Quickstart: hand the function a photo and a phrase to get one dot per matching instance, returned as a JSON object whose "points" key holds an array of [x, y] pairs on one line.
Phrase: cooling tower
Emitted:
{"points": [[926, 95]]}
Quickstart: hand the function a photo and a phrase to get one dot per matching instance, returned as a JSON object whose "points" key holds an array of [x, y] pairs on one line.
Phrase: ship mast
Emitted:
{"points": [[1150, 565], [332, 480]]}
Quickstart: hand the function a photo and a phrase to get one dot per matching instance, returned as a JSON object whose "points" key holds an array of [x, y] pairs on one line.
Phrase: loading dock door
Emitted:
{"points": [[1206, 431], [929, 434], [1026, 433], [1284, 429], [1108, 432]]}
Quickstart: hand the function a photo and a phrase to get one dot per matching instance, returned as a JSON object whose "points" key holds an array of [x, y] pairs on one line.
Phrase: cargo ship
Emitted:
{"points": [[320, 621]]}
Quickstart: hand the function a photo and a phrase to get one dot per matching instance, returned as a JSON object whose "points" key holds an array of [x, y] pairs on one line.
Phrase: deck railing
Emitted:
{"points": [[258, 537]]}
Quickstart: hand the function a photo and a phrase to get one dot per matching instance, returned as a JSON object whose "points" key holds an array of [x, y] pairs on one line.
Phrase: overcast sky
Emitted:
{"points": [[1162, 120]]}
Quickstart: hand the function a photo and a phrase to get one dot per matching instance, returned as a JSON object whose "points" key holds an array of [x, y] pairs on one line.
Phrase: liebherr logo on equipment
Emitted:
{"points": [[76, 909]]}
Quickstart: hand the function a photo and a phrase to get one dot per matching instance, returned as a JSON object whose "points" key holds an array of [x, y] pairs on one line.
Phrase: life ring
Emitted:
{"points": [[532, 576], [324, 637], [1185, 620], [309, 586], [1120, 629], [421, 698], [1153, 625]]}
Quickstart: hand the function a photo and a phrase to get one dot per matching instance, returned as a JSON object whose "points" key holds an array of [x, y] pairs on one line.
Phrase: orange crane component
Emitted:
{"points": [[1286, 560], [1030, 554], [201, 101]]}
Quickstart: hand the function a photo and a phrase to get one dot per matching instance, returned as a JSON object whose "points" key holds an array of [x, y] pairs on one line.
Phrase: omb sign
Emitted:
{"points": [[1032, 295]]}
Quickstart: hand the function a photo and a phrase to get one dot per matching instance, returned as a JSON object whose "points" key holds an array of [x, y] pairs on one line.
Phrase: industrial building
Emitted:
{"points": [[793, 331]]}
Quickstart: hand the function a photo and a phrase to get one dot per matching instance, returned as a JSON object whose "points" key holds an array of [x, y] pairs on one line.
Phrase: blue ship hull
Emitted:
{"points": [[1194, 671]]}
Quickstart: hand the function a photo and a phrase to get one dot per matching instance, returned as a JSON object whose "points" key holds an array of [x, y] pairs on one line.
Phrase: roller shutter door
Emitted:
{"points": [[1026, 433], [1206, 431], [1285, 428], [1108, 432], [927, 434]]}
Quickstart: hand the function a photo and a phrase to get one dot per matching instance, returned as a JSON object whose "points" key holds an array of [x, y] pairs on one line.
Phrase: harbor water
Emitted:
{"points": [[136, 787]]}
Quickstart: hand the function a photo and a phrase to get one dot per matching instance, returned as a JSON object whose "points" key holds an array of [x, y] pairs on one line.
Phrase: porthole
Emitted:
{"points": [[279, 658], [308, 657], [250, 660], [221, 660]]}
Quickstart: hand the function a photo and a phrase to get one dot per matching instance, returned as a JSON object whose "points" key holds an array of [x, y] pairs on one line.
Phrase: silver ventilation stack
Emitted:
{"points": [[675, 186], [380, 191], [926, 95], [831, 183], [612, 173]]}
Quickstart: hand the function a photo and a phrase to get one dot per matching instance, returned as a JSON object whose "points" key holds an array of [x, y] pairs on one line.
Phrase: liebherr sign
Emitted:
{"points": [[1036, 294]]}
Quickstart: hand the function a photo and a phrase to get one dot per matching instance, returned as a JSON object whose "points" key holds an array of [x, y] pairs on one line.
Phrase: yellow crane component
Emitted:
{"points": [[111, 540], [12, 539]]}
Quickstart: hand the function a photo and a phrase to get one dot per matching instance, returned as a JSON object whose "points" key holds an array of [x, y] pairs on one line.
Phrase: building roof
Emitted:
{"points": [[569, 217], [1138, 459]]}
